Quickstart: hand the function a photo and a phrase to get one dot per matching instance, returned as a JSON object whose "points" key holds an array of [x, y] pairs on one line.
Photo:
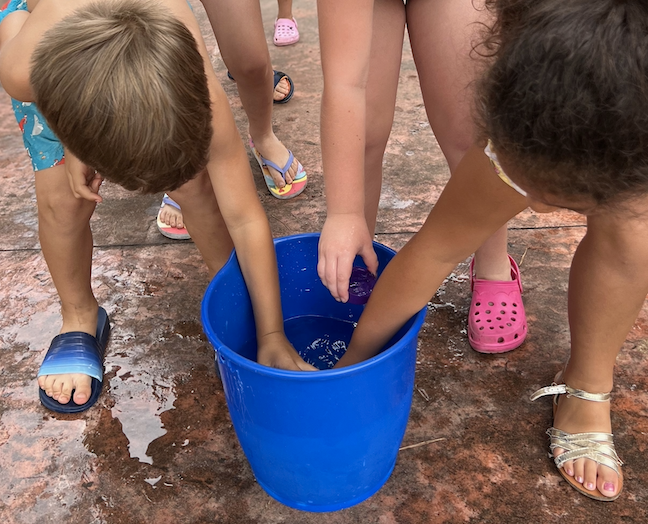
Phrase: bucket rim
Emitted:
{"points": [[323, 374]]}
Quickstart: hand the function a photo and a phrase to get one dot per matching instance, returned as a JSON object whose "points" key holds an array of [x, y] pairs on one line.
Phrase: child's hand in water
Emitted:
{"points": [[275, 351]]}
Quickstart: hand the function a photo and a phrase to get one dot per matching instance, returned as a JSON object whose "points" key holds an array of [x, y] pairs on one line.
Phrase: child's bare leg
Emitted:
{"points": [[204, 221], [442, 34], [607, 288], [382, 83], [66, 242], [491, 259], [284, 8], [238, 28]]}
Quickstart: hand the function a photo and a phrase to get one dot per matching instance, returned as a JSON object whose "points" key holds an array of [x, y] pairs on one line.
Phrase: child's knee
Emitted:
{"points": [[55, 200], [197, 188], [250, 71]]}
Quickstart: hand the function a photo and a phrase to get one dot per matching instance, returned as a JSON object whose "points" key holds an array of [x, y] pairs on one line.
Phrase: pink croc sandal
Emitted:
{"points": [[496, 318], [285, 32]]}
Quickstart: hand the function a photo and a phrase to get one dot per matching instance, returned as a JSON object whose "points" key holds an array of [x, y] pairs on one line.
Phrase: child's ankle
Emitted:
{"points": [[577, 379], [80, 318]]}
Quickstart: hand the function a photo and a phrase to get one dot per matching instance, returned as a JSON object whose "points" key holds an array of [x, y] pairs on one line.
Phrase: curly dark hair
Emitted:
{"points": [[565, 98]]}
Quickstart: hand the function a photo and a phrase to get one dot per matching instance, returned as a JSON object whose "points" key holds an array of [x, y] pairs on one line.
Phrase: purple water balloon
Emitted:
{"points": [[361, 285]]}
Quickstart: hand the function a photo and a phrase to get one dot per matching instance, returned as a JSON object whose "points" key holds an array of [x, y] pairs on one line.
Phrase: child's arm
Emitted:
{"points": [[246, 221], [247, 224], [20, 32], [345, 41], [474, 204], [14, 65]]}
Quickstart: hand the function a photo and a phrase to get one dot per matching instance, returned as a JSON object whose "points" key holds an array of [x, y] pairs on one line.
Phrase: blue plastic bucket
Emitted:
{"points": [[316, 441]]}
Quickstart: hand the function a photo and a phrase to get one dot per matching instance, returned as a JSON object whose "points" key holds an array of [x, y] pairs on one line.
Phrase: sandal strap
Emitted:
{"points": [[561, 389], [515, 274], [168, 201], [282, 170], [595, 446]]}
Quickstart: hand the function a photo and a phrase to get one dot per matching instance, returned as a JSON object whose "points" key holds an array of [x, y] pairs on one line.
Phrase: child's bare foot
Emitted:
{"points": [[281, 90], [272, 149], [283, 87], [169, 220], [60, 386], [171, 216], [574, 415]]}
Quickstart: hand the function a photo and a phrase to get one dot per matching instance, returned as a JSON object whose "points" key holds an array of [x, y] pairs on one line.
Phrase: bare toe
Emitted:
{"points": [[56, 387], [579, 471], [65, 394], [281, 90], [82, 388], [607, 481], [60, 387], [590, 475], [291, 174], [171, 216]]}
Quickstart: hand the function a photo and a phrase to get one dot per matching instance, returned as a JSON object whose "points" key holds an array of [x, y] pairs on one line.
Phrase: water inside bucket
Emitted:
{"points": [[320, 341]]}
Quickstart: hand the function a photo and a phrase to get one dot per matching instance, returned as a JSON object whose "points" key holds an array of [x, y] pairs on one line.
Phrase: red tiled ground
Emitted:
{"points": [[163, 416]]}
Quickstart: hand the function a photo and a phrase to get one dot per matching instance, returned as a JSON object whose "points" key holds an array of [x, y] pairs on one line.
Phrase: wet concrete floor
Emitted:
{"points": [[159, 445]]}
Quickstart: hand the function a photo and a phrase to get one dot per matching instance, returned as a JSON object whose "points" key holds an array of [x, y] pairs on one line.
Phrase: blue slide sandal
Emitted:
{"points": [[77, 352], [278, 77]]}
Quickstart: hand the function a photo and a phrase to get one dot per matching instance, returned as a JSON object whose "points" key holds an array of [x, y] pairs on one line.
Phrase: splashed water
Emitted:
{"points": [[320, 341]]}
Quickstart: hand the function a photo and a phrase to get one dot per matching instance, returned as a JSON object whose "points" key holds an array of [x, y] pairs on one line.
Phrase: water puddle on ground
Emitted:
{"points": [[140, 398]]}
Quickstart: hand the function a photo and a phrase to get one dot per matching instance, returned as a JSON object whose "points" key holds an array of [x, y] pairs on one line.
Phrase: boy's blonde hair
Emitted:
{"points": [[122, 85]]}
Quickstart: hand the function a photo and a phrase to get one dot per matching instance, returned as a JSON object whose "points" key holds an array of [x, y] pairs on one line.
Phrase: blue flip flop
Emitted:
{"points": [[278, 76], [77, 352]]}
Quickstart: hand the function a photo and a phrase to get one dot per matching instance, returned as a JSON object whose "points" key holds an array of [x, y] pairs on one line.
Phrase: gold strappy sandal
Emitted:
{"points": [[598, 447]]}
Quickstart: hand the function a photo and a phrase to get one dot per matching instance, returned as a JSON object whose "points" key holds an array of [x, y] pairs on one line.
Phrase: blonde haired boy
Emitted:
{"points": [[127, 88]]}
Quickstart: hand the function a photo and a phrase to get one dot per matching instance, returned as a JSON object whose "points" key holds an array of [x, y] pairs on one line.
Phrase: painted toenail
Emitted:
{"points": [[608, 486], [590, 485], [579, 479]]}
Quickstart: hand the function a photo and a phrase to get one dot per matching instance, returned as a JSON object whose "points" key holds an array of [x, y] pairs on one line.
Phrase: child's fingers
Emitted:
{"points": [[344, 266], [323, 268], [95, 183], [79, 178], [84, 192], [327, 269], [330, 277], [370, 258], [305, 366], [321, 264]]}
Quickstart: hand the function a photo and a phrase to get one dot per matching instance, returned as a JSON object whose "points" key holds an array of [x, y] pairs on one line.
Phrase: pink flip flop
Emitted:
{"points": [[496, 318], [285, 32]]}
